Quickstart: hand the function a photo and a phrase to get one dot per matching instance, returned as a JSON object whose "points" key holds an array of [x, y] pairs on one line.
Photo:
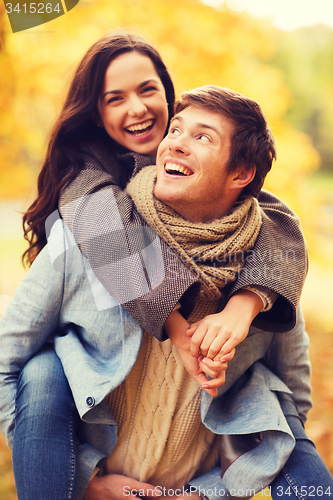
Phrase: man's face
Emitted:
{"points": [[192, 177]]}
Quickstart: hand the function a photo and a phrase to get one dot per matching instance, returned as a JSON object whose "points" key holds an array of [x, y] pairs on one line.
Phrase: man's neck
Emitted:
{"points": [[203, 213]]}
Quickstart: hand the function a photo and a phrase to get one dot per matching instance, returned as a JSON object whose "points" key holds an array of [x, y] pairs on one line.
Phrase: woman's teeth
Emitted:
{"points": [[140, 128]]}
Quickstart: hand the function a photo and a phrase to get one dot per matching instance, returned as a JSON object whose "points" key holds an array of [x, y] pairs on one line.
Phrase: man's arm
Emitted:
{"points": [[118, 487], [209, 485], [288, 358], [29, 320]]}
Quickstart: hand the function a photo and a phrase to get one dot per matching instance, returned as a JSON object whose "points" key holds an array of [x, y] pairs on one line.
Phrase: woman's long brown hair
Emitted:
{"points": [[74, 126]]}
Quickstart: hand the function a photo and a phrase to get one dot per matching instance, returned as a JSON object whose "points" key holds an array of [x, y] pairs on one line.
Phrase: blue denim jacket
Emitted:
{"points": [[60, 293]]}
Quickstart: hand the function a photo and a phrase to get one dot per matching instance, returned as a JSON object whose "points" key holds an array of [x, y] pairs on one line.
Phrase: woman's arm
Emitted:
{"points": [[278, 261], [129, 259]]}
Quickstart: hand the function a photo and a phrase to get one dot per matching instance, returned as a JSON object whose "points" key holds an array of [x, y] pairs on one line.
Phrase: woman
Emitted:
{"points": [[83, 158]]}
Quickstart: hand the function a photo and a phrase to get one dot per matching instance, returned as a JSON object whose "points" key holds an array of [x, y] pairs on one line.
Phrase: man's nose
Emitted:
{"points": [[180, 144], [136, 107]]}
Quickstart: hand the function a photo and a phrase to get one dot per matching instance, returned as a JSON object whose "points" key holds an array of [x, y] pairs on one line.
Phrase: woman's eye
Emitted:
{"points": [[114, 99], [149, 89]]}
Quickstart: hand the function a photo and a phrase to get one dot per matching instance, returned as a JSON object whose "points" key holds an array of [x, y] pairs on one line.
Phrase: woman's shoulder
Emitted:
{"points": [[100, 168], [89, 180], [270, 202]]}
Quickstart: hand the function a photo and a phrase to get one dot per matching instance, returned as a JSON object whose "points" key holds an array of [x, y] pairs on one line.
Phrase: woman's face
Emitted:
{"points": [[132, 104]]}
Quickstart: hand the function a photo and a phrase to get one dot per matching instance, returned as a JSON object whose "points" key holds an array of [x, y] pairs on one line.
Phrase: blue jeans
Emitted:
{"points": [[44, 448], [304, 476]]}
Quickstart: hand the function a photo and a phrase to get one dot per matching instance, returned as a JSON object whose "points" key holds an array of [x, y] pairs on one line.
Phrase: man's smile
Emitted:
{"points": [[176, 169]]}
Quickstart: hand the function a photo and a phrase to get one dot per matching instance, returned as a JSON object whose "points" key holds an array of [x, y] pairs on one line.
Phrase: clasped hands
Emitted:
{"points": [[206, 347]]}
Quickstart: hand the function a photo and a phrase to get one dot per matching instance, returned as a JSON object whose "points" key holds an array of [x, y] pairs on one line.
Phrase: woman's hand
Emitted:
{"points": [[118, 487], [217, 335]]}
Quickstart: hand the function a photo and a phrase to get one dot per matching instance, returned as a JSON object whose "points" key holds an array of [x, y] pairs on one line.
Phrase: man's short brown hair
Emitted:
{"points": [[252, 142]]}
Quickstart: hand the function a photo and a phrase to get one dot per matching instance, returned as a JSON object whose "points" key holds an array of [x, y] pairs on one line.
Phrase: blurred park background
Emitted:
{"points": [[289, 72]]}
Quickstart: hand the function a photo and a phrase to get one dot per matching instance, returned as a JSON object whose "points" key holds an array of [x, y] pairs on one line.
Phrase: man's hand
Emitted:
{"points": [[176, 327], [199, 369], [118, 487]]}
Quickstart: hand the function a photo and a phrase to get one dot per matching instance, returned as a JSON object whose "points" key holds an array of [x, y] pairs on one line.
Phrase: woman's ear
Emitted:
{"points": [[243, 176], [96, 119]]}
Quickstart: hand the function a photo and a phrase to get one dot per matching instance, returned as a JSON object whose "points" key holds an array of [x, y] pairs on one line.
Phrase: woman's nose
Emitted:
{"points": [[136, 107]]}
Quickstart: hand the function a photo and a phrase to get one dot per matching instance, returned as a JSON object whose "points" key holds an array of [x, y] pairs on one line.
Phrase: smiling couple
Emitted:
{"points": [[116, 408]]}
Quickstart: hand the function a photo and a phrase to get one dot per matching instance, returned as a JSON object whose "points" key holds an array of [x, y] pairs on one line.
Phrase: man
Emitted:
{"points": [[98, 348], [200, 179]]}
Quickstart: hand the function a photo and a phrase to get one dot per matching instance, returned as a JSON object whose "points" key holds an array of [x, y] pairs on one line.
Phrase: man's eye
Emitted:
{"points": [[174, 131], [203, 138]]}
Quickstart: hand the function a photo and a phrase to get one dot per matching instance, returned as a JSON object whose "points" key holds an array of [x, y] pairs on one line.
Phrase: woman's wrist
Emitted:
{"points": [[249, 302]]}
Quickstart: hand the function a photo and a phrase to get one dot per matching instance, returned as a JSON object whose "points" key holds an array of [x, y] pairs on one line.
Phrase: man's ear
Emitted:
{"points": [[243, 176]]}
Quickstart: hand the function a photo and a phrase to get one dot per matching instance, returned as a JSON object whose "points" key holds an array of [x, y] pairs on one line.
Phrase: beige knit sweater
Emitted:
{"points": [[161, 439]]}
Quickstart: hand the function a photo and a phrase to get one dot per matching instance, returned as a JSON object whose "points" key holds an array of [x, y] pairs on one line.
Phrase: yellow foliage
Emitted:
{"points": [[199, 44]]}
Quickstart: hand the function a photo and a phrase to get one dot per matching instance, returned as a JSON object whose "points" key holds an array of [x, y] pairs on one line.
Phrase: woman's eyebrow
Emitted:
{"points": [[146, 82], [116, 92], [140, 86]]}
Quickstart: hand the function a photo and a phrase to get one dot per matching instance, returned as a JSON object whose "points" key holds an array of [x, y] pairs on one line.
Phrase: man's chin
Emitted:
{"points": [[159, 192], [162, 195]]}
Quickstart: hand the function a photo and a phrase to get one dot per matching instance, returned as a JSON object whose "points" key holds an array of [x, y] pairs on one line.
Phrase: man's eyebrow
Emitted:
{"points": [[120, 91], [197, 124], [210, 127], [176, 117]]}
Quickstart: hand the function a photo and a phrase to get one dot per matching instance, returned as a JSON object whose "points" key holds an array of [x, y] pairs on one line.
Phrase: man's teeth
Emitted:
{"points": [[140, 127], [174, 168]]}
